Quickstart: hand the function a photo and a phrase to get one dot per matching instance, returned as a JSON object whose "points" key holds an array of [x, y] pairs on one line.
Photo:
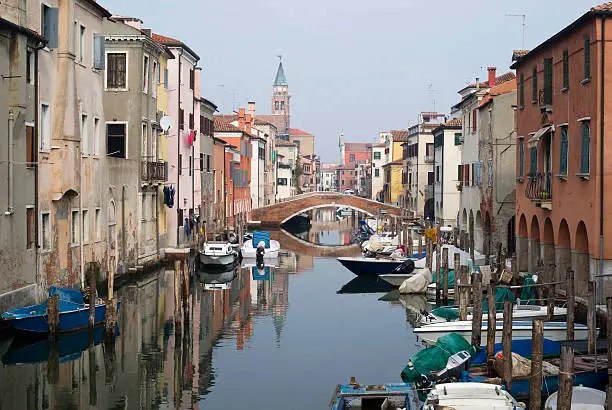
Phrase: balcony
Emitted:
{"points": [[153, 171], [539, 189], [429, 159]]}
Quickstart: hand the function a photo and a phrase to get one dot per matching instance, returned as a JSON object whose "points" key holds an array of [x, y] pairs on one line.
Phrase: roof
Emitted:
{"points": [[516, 54], [500, 89], [99, 8], [357, 147], [399, 135], [223, 125], [172, 42], [602, 9], [208, 102], [280, 76], [379, 145], [298, 132], [394, 163], [283, 143], [21, 29], [455, 123], [498, 80]]}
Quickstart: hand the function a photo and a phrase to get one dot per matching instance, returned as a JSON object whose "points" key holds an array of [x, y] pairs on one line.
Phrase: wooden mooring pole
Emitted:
{"points": [[439, 271], [550, 303], [535, 382], [410, 248], [507, 344], [53, 317], [420, 246], [463, 293], [111, 304], [609, 328], [491, 322], [591, 325], [445, 268], [428, 256], [91, 282], [566, 371], [457, 270], [177, 293], [571, 303], [477, 309]]}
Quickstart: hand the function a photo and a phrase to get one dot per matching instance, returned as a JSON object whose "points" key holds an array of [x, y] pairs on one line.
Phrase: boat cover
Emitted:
{"points": [[446, 313], [434, 358], [261, 236], [501, 295], [451, 278]]}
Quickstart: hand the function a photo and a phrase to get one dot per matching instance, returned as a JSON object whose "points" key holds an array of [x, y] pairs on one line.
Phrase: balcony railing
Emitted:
{"points": [[153, 171], [539, 187]]}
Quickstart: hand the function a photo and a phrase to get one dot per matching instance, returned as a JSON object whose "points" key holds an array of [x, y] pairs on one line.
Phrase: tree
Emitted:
{"points": [[297, 173]]}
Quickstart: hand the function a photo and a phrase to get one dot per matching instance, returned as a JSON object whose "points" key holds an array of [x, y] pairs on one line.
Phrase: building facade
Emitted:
{"points": [[447, 160]]}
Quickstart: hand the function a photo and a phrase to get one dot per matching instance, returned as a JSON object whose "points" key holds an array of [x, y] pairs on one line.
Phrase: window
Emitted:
{"points": [[458, 138], [352, 159], [207, 163], [191, 121], [534, 85], [29, 67], [522, 91], [85, 226], [376, 172], [30, 227], [281, 181], [587, 58], [48, 24], [474, 123], [84, 136], [521, 157], [430, 178], [460, 173], [155, 79], [181, 119], [191, 79], [95, 137], [116, 71], [98, 224], [82, 43], [585, 148], [201, 162], [45, 127], [145, 142], [157, 72], [166, 78], [377, 155], [30, 152], [563, 152], [533, 162], [548, 80], [180, 164], [74, 231], [429, 150], [409, 178], [565, 69], [282, 107], [116, 139], [276, 105], [45, 230], [145, 74], [437, 173]]}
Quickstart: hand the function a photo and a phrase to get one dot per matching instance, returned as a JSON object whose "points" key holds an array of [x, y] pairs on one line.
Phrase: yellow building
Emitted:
{"points": [[162, 152], [393, 181]]}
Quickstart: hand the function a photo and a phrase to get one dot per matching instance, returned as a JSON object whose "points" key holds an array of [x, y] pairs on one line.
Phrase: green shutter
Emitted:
{"points": [[521, 158], [522, 91], [533, 167], [458, 139], [563, 151], [534, 83], [587, 58], [548, 80], [565, 69], [585, 148]]}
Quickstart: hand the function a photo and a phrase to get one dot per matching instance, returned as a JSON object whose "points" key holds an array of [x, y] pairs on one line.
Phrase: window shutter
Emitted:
{"points": [[460, 174], [563, 152], [521, 158], [99, 47], [534, 162], [166, 78], [51, 26], [522, 91], [30, 151], [587, 58], [473, 182], [565, 69], [548, 80], [585, 148], [534, 82]]}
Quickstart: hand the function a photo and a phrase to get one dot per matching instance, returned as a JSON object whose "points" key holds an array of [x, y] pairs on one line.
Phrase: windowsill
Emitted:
{"points": [[44, 251], [534, 101], [116, 90], [561, 177], [564, 89], [520, 180], [585, 81], [81, 64], [47, 49], [74, 245], [94, 156], [584, 175], [96, 70], [45, 151]]}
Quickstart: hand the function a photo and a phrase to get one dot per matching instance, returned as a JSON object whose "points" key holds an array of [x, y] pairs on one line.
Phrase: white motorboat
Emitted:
{"points": [[470, 396], [583, 398], [218, 280], [519, 312], [218, 254], [521, 330], [248, 251]]}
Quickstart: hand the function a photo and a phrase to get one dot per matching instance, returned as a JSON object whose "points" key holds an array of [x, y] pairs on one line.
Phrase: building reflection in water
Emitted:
{"points": [[149, 365]]}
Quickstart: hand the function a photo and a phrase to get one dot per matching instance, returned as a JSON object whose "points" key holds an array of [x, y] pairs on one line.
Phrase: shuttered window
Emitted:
{"points": [[565, 69], [181, 119], [460, 174], [585, 148], [474, 121], [99, 47], [49, 17], [563, 152], [533, 163], [116, 70], [587, 58], [522, 91], [521, 158], [534, 85], [548, 80], [166, 78], [30, 149]]}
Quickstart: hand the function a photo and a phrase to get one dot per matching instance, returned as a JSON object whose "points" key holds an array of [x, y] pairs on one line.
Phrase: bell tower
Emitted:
{"points": [[280, 99]]}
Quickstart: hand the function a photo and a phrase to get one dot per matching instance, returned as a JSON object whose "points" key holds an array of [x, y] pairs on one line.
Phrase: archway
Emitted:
{"points": [[511, 236], [548, 245], [478, 233], [581, 260], [428, 210], [534, 244], [464, 221], [522, 247], [563, 252], [470, 231]]}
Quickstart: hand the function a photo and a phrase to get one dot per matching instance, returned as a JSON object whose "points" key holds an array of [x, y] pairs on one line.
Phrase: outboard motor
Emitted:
{"points": [[456, 365], [232, 237], [259, 253], [406, 267]]}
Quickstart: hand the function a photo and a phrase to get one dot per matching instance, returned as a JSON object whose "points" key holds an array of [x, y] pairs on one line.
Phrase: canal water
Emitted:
{"points": [[278, 338]]}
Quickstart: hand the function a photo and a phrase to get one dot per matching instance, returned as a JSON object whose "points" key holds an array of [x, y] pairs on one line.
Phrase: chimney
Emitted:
{"points": [[248, 123], [251, 108], [241, 118], [492, 75]]}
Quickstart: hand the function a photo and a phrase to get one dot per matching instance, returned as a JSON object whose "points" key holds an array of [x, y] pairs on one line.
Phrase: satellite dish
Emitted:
{"points": [[166, 123]]}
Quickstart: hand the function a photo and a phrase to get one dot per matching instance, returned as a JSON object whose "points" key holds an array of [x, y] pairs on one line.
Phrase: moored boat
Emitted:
{"points": [[380, 396], [270, 247], [73, 313], [360, 265], [218, 254], [472, 396], [583, 398], [520, 312]]}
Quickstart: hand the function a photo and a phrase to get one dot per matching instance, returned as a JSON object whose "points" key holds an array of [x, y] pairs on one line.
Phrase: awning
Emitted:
{"points": [[533, 141]]}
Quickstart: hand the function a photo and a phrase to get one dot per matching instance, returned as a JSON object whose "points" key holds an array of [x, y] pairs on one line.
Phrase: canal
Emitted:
{"points": [[281, 337]]}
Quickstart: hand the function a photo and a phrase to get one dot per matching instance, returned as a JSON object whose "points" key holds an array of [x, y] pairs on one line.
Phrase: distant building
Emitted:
{"points": [[381, 154], [287, 158], [281, 113], [304, 140], [346, 177], [447, 161], [328, 177], [393, 181], [363, 185], [356, 153]]}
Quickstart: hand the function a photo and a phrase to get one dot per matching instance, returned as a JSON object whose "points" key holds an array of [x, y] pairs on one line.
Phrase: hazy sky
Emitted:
{"points": [[353, 65]]}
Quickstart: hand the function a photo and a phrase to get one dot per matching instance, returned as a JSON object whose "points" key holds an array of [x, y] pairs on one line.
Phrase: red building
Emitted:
{"points": [[356, 153], [346, 177]]}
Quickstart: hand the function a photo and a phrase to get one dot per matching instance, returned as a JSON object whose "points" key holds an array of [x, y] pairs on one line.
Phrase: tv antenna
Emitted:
{"points": [[523, 16], [433, 96]]}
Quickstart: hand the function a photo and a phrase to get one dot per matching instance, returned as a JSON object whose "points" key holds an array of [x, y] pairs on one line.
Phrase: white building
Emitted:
{"points": [[447, 159], [381, 154], [258, 169], [328, 177], [287, 154]]}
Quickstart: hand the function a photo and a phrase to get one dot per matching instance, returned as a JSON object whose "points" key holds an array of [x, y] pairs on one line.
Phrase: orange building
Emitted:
{"points": [[562, 195]]}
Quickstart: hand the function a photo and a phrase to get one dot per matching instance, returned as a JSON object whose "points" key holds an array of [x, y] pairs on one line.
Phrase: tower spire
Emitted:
{"points": [[280, 79]]}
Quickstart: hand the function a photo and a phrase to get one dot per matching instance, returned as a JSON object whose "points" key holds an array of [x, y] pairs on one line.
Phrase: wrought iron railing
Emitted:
{"points": [[153, 171], [539, 186]]}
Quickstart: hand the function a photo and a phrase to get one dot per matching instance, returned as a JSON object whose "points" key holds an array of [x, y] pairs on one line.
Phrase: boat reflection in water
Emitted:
{"points": [[217, 279], [417, 306], [365, 284]]}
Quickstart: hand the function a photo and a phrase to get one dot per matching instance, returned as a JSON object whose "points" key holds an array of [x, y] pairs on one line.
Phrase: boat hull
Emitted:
{"points": [[269, 253], [519, 314], [218, 260], [369, 266], [395, 280]]}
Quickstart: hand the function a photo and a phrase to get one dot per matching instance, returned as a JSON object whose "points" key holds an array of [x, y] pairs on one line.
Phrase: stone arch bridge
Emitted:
{"points": [[280, 212]]}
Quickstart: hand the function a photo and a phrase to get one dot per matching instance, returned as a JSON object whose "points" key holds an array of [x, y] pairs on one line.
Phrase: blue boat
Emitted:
{"points": [[73, 313], [360, 265], [354, 395]]}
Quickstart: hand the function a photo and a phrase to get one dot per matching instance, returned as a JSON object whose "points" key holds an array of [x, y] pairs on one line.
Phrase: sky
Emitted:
{"points": [[353, 66]]}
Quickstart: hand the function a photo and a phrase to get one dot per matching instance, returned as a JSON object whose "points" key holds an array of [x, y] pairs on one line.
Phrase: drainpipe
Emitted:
{"points": [[178, 155], [81, 233], [123, 253], [35, 148], [11, 137]]}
